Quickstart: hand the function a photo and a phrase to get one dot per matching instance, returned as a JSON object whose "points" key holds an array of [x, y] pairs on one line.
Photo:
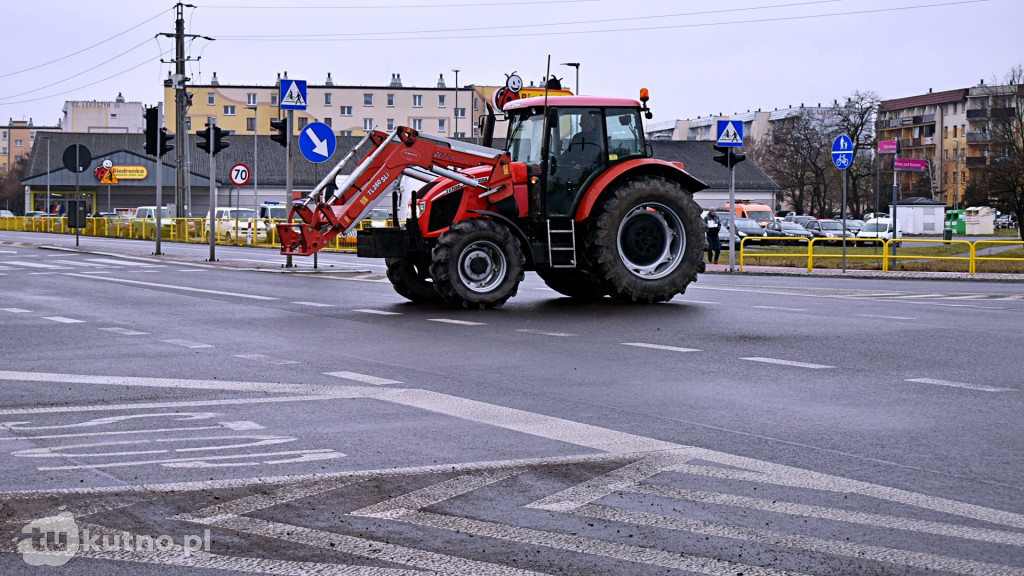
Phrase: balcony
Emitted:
{"points": [[977, 114], [976, 161], [924, 119], [977, 137]]}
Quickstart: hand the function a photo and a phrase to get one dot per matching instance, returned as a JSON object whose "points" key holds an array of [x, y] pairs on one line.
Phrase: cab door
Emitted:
{"points": [[574, 158]]}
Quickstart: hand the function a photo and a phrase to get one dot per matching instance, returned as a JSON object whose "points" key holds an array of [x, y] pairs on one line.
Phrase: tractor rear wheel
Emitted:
{"points": [[647, 240], [410, 277], [477, 263], [574, 283]]}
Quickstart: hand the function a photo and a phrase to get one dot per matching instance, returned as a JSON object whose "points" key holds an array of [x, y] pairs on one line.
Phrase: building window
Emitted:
{"points": [[31, 136], [303, 121], [391, 100], [5, 134], [417, 101], [18, 143], [460, 112], [417, 124], [327, 121], [476, 104], [211, 98], [391, 124], [250, 124], [442, 126], [250, 99], [440, 100], [345, 133], [229, 110], [344, 110], [367, 124], [5, 151], [327, 99], [367, 99], [273, 99]]}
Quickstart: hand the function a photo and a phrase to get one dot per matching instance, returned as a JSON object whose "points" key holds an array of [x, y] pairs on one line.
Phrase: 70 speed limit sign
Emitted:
{"points": [[240, 174]]}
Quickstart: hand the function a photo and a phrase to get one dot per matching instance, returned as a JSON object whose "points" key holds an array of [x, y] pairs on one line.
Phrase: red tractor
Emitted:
{"points": [[576, 197]]}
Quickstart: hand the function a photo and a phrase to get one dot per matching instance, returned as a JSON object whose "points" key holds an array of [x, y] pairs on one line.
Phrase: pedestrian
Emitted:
{"points": [[714, 225]]}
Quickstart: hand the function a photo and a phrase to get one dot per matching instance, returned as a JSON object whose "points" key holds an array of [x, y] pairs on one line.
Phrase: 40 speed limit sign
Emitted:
{"points": [[240, 174]]}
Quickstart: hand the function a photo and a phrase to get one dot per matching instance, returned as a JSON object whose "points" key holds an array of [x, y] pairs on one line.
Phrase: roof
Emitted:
{"points": [[698, 159], [572, 101], [928, 99], [918, 201]]}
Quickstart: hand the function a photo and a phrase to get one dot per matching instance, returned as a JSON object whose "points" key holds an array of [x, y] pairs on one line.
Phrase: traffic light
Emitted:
{"points": [[280, 127], [152, 128], [727, 157], [164, 137], [204, 139], [217, 139]]}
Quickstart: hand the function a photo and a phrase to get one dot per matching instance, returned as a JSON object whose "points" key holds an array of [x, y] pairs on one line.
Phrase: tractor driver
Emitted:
{"points": [[587, 142]]}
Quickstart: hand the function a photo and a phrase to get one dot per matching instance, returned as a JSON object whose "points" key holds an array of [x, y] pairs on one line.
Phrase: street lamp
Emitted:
{"points": [[47, 138], [575, 65], [956, 174], [456, 132], [255, 158]]}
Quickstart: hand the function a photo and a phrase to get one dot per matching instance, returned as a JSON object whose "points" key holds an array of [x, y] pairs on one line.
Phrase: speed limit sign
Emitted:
{"points": [[239, 174]]}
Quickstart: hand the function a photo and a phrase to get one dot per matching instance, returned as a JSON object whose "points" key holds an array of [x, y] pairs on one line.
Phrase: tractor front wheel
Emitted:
{"points": [[410, 276], [477, 263], [647, 240]]}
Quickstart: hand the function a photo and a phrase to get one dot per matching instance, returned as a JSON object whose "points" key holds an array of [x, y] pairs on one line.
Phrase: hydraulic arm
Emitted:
{"points": [[318, 218]]}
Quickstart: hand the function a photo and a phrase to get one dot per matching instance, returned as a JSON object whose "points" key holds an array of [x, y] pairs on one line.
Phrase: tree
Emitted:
{"points": [[1005, 175], [12, 194], [856, 119]]}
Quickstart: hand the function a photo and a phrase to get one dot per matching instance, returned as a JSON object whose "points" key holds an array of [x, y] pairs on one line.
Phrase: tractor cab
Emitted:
{"points": [[567, 150]]}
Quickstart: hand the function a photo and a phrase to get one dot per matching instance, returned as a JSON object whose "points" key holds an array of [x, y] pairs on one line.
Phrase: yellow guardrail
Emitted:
{"points": [[230, 232], [889, 256]]}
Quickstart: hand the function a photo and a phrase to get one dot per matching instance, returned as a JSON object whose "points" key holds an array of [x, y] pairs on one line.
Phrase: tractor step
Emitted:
{"points": [[561, 242]]}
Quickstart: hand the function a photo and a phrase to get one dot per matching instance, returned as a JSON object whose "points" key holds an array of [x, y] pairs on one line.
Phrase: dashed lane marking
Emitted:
{"points": [[173, 287], [378, 312], [364, 378], [16, 310], [267, 359], [315, 304], [187, 343], [781, 308], [124, 331], [788, 363], [980, 387], [63, 320], [885, 317], [545, 333], [459, 322], [660, 347]]}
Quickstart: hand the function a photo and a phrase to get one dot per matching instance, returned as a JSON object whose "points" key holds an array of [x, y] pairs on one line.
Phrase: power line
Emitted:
{"points": [[83, 50], [431, 6]]}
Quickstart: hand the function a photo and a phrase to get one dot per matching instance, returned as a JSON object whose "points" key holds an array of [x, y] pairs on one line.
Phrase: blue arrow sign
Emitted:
{"points": [[730, 133], [293, 94], [842, 152], [317, 142]]}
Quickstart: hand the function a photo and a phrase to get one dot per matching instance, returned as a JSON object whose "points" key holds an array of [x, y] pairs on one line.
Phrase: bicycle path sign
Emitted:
{"points": [[842, 152]]}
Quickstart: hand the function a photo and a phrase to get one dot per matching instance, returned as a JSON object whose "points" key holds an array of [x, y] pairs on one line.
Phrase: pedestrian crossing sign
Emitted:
{"points": [[730, 133], [293, 94]]}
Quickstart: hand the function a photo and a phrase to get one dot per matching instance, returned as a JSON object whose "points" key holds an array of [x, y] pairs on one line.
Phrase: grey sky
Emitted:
{"points": [[696, 57]]}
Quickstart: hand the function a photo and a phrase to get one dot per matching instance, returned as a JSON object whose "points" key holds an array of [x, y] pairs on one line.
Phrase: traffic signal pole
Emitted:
{"points": [[159, 181], [288, 172], [732, 210], [212, 128]]}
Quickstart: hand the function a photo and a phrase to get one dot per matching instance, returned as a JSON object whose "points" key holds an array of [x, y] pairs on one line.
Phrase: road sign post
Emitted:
{"points": [[842, 157], [730, 135]]}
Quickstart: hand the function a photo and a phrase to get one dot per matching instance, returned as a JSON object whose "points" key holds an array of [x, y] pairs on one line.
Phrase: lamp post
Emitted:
{"points": [[255, 157], [956, 175], [575, 65], [47, 138], [455, 133]]}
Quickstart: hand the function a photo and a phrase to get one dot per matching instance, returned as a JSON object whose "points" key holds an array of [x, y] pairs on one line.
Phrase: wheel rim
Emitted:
{"points": [[482, 266], [651, 241]]}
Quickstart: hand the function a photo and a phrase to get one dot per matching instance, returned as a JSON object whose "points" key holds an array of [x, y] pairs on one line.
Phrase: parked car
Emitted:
{"points": [[236, 223], [792, 231], [831, 231], [744, 227], [854, 225], [143, 222], [801, 219], [880, 228], [6, 214], [1006, 221]]}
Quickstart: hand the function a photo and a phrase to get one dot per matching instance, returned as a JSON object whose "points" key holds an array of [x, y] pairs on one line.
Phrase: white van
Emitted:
{"points": [[880, 228]]}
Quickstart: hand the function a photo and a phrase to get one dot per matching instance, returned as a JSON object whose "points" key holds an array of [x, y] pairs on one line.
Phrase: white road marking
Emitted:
{"points": [[157, 405], [187, 343], [698, 302], [124, 331], [379, 312], [788, 363], [365, 379], [242, 425], [63, 320], [316, 304], [885, 317], [253, 459], [172, 287], [545, 333], [459, 322], [31, 264], [267, 359], [980, 387], [122, 262], [660, 347], [781, 308], [16, 310]]}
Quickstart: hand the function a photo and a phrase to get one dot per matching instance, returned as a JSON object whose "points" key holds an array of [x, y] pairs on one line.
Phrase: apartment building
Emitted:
{"points": [[439, 110], [756, 125], [16, 140], [103, 117]]}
